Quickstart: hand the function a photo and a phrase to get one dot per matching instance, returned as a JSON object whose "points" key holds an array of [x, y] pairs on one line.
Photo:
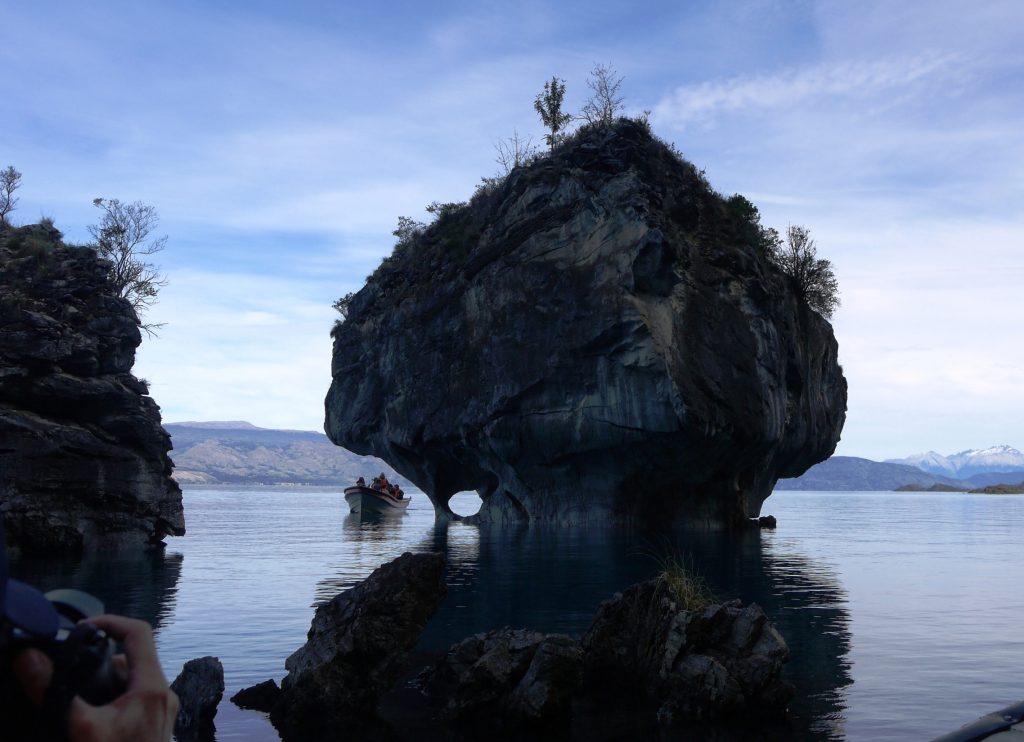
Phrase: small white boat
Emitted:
{"points": [[366, 500]]}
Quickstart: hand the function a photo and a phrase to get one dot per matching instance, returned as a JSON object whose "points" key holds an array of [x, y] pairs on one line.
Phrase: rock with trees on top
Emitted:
{"points": [[615, 339], [83, 455]]}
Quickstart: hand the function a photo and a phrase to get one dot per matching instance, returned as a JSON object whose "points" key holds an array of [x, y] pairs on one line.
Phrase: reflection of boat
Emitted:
{"points": [[366, 500]]}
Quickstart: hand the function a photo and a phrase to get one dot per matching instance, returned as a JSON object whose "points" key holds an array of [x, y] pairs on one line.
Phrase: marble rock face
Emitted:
{"points": [[600, 336], [83, 455]]}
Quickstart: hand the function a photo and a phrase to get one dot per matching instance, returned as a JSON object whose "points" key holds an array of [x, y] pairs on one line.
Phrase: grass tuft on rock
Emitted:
{"points": [[686, 584]]}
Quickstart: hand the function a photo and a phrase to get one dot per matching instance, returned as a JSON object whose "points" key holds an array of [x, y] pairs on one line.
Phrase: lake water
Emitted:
{"points": [[903, 611]]}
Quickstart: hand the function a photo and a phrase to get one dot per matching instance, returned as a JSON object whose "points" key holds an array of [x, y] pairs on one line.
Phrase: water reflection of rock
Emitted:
{"points": [[373, 542], [372, 538], [134, 582], [552, 580]]}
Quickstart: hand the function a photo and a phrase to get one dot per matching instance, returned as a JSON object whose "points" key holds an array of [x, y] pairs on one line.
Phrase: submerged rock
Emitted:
{"points": [[600, 336], [83, 455], [356, 648], [697, 665], [199, 687]]}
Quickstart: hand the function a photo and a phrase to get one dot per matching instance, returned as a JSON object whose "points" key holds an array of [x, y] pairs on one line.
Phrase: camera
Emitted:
{"points": [[82, 655]]}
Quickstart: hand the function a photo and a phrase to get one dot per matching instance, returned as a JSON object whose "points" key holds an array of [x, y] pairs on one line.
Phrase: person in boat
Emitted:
{"points": [[360, 482], [398, 493], [391, 490], [384, 484], [375, 484]]}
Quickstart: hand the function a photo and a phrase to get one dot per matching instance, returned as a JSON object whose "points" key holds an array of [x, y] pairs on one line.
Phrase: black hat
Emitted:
{"points": [[22, 605]]}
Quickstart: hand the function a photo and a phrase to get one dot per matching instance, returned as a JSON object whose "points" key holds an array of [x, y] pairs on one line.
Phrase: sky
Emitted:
{"points": [[279, 143]]}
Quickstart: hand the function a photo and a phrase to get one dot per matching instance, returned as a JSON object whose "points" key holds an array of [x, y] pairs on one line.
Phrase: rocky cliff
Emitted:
{"points": [[83, 457], [601, 335]]}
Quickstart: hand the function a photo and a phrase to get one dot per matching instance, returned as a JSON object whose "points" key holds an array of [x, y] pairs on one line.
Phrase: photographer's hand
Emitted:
{"points": [[145, 712]]}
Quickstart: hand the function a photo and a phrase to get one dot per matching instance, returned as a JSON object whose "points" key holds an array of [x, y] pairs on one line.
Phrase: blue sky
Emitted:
{"points": [[280, 142]]}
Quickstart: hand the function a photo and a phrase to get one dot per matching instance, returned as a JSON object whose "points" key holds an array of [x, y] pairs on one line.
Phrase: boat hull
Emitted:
{"points": [[366, 500]]}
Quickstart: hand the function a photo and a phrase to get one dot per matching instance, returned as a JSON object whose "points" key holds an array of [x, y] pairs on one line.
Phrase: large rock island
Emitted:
{"points": [[83, 456], [600, 335]]}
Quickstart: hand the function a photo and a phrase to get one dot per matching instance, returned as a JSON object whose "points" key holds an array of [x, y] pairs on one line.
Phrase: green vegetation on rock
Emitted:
{"points": [[686, 585]]}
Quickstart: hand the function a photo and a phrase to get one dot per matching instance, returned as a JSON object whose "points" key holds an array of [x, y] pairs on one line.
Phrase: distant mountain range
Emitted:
{"points": [[852, 474], [241, 453], [238, 452], [967, 463], [965, 470]]}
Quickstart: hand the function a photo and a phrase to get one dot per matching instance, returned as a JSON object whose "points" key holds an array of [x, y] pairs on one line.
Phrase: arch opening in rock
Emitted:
{"points": [[465, 503]]}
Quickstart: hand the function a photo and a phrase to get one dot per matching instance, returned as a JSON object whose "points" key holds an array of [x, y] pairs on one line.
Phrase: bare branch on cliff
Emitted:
{"points": [[605, 103], [10, 181], [514, 152], [123, 236]]}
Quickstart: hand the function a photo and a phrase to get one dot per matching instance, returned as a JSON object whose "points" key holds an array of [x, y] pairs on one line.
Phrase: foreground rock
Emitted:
{"points": [[717, 662], [356, 647], [601, 318], [259, 697], [199, 687], [646, 661], [83, 456], [511, 676]]}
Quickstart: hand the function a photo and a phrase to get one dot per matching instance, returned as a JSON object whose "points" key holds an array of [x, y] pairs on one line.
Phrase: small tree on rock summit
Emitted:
{"points": [[549, 105], [605, 103], [813, 277], [123, 237], [10, 181]]}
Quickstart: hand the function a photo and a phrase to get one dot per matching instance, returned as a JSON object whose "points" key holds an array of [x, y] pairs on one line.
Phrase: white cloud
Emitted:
{"points": [[852, 79], [240, 346], [929, 336]]}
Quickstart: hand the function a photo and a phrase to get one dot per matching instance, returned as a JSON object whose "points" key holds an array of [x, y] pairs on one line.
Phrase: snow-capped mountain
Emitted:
{"points": [[967, 463], [931, 462]]}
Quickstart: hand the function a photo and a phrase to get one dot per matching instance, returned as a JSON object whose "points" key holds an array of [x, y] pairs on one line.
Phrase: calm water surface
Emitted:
{"points": [[902, 610]]}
